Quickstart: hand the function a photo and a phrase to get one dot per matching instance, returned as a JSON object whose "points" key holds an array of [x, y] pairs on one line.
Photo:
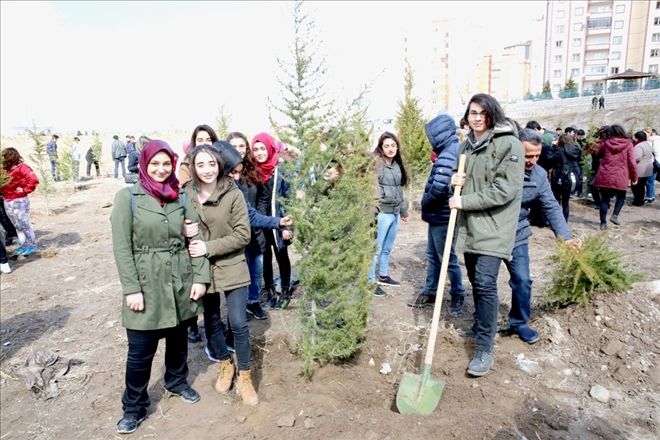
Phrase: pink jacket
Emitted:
{"points": [[617, 164]]}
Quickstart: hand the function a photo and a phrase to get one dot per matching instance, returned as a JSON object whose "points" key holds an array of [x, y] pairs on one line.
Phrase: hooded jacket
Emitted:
{"points": [[441, 132], [644, 159], [20, 176], [563, 161], [617, 164], [492, 193]]}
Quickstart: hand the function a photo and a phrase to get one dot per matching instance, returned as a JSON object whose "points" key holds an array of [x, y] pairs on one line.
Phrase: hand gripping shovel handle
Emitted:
{"points": [[443, 273]]}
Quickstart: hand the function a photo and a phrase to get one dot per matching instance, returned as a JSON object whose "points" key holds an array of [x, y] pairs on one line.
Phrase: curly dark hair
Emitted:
{"points": [[10, 158]]}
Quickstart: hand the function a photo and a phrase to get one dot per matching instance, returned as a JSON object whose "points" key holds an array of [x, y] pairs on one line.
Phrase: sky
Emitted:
{"points": [[137, 67]]}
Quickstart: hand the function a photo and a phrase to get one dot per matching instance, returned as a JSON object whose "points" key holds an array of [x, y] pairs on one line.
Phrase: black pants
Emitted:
{"points": [[96, 165], [605, 195], [563, 196], [3, 253], [10, 230], [639, 191], [142, 345], [282, 257]]}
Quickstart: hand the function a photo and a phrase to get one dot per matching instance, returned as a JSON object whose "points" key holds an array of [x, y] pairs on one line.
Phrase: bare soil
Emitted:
{"points": [[67, 300]]}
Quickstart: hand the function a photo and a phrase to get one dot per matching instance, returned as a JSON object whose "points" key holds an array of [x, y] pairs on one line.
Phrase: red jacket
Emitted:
{"points": [[617, 164], [21, 176]]}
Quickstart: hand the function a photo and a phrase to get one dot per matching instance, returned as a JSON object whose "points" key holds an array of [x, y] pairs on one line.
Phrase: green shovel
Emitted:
{"points": [[420, 394]]}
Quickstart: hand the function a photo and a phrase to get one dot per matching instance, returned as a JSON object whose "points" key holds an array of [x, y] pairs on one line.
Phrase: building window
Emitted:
{"points": [[558, 58], [559, 43], [618, 24], [579, 12], [596, 70], [617, 40], [656, 21], [599, 23], [620, 9], [561, 14], [557, 73], [578, 26], [575, 73], [615, 56], [577, 42], [575, 57], [653, 68], [614, 70], [655, 37], [655, 53]]}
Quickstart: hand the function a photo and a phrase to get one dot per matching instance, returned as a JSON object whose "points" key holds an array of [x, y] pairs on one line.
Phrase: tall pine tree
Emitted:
{"points": [[410, 121]]}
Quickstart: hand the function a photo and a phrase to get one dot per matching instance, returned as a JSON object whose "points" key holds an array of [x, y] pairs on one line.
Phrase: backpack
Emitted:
{"points": [[568, 177]]}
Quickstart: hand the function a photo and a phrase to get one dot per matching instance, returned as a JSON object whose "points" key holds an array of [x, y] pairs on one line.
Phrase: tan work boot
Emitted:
{"points": [[245, 389], [225, 376]]}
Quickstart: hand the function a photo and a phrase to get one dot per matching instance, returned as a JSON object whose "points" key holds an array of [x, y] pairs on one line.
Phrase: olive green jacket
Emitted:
{"points": [[225, 228], [492, 193], [151, 257]]}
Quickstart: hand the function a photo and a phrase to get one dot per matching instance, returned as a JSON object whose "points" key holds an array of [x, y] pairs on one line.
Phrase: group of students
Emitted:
{"points": [[181, 242]]}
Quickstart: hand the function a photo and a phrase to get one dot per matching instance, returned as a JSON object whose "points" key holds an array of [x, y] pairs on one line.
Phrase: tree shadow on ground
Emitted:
{"points": [[65, 208], [61, 240], [23, 329]]}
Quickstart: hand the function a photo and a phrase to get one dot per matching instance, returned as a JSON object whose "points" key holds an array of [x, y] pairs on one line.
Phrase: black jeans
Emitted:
{"points": [[213, 326], [142, 345], [96, 165], [605, 195], [563, 196], [282, 257], [483, 271], [3, 252], [7, 225], [639, 191]]}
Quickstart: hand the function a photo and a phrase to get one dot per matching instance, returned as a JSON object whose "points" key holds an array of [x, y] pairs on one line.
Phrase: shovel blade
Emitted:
{"points": [[418, 394]]}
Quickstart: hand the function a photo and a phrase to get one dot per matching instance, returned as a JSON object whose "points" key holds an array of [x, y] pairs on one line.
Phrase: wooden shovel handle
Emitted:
{"points": [[443, 270]]}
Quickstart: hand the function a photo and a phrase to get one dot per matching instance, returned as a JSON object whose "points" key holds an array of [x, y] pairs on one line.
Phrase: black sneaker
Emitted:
{"points": [[379, 292], [255, 310], [282, 302], [266, 295], [188, 395], [387, 281], [193, 335], [422, 300], [456, 306], [129, 424]]}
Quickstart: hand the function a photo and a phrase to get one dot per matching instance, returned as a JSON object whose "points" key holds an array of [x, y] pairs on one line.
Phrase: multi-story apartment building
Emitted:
{"points": [[506, 74], [589, 40]]}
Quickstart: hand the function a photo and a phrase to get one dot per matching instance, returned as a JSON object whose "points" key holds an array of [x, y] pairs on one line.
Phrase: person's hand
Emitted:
{"points": [[197, 248], [286, 221], [633, 182], [456, 202], [287, 235], [405, 219], [197, 291], [190, 229], [135, 301], [458, 179], [19, 190], [575, 243]]}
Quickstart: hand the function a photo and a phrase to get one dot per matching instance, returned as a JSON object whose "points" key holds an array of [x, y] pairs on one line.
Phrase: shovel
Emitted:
{"points": [[420, 394]]}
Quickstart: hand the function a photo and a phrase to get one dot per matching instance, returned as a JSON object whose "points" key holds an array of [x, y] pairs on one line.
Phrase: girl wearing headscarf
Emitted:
{"points": [[161, 283], [264, 150]]}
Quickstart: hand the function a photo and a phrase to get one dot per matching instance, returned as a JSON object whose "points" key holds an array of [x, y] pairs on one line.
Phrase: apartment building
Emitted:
{"points": [[589, 40]]}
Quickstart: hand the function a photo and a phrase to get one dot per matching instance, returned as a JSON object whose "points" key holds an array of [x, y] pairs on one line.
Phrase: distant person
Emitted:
{"points": [[92, 160], [594, 103], [76, 157], [51, 151], [22, 182], [119, 156], [644, 160], [130, 144], [161, 284], [601, 102], [565, 163], [616, 170], [570, 131], [653, 139]]}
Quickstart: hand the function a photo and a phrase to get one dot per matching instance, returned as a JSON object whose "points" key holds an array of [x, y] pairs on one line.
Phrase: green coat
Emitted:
{"points": [[225, 227], [492, 193], [152, 258]]}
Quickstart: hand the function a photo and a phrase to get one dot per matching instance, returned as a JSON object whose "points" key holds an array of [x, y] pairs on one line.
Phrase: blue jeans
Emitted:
{"points": [[435, 247], [521, 286], [123, 167], [236, 304], [53, 169], [650, 187], [255, 262], [387, 226], [142, 346], [482, 271]]}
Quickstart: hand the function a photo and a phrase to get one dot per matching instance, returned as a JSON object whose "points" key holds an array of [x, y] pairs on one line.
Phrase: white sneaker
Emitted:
{"points": [[4, 268]]}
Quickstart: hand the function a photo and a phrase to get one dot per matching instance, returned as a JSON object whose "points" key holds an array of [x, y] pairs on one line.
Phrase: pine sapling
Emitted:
{"points": [[42, 166]]}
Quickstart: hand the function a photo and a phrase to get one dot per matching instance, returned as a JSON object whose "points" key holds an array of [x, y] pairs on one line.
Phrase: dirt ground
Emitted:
{"points": [[67, 300]]}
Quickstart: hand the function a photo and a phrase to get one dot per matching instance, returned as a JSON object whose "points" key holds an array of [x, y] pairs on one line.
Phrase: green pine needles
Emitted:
{"points": [[595, 268]]}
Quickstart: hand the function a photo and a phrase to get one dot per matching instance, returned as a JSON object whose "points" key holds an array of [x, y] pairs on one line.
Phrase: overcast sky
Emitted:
{"points": [[141, 66]]}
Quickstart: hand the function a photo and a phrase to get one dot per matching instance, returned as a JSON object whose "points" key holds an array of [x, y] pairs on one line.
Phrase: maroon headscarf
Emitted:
{"points": [[267, 168], [167, 191]]}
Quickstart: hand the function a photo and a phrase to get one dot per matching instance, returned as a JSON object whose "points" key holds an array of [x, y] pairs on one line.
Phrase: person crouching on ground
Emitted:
{"points": [[489, 208], [161, 283]]}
